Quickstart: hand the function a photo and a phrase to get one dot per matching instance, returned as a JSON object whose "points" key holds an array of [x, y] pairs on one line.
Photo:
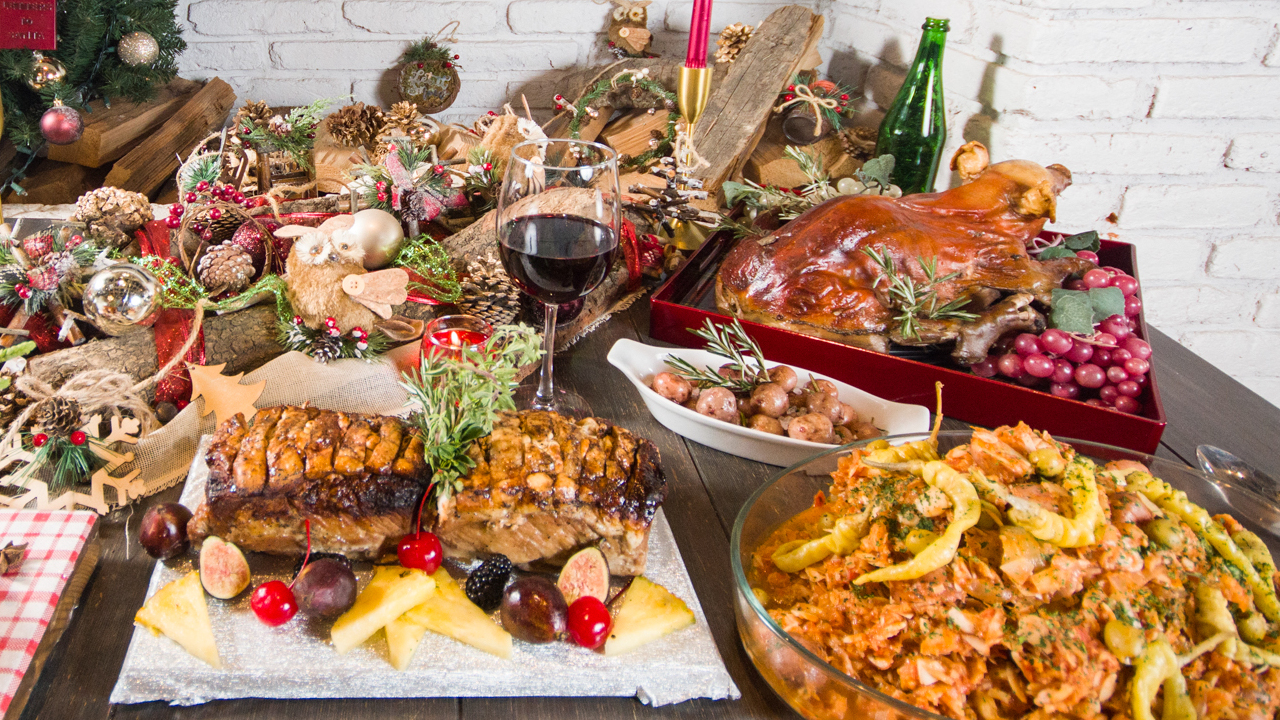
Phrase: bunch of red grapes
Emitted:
{"points": [[1111, 368]]}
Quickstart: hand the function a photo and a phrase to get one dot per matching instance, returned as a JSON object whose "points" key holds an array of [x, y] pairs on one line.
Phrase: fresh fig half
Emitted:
{"points": [[223, 570], [586, 573]]}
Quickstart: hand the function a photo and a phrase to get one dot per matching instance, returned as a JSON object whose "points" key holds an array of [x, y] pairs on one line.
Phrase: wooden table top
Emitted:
{"points": [[707, 489]]}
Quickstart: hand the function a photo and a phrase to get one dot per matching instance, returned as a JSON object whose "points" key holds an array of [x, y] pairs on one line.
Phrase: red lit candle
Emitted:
{"points": [[448, 336], [699, 31]]}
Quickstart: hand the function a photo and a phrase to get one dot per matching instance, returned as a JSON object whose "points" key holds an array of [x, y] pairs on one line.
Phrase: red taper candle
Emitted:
{"points": [[699, 31]]}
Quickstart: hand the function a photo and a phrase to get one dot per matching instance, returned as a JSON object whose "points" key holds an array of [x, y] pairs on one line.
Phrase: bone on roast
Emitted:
{"points": [[813, 277]]}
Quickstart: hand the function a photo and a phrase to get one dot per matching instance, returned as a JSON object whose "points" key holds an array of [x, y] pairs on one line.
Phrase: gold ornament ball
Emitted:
{"points": [[381, 235], [138, 48], [120, 298], [46, 71]]}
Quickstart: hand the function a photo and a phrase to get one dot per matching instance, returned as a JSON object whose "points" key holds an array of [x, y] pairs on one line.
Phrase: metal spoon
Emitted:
{"points": [[1251, 492]]}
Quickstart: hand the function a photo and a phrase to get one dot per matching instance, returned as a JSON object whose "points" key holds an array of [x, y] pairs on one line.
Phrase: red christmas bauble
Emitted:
{"points": [[248, 237], [61, 125]]}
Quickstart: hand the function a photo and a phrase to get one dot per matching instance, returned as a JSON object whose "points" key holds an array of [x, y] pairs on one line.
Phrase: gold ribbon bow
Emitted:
{"points": [[803, 94]]}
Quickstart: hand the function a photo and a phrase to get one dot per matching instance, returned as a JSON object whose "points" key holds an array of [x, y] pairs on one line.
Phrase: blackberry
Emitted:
{"points": [[486, 583]]}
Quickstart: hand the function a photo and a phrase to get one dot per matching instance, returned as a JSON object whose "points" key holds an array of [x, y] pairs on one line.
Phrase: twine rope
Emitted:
{"points": [[804, 96]]}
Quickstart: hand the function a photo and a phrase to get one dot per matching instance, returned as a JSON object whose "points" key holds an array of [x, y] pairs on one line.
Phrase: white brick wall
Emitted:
{"points": [[1167, 111]]}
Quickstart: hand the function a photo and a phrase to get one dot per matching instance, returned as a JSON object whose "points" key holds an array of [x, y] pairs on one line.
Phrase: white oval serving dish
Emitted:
{"points": [[640, 362]]}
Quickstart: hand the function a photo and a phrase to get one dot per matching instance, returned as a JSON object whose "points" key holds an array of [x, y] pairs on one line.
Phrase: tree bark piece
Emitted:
{"points": [[243, 340], [110, 131], [145, 168], [740, 105]]}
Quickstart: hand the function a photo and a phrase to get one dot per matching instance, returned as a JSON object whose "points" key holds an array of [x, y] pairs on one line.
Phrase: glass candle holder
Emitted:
{"points": [[449, 335]]}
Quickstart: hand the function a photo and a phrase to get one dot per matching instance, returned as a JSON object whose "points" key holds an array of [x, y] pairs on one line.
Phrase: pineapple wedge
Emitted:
{"points": [[403, 637], [646, 612], [179, 611], [450, 613], [391, 592]]}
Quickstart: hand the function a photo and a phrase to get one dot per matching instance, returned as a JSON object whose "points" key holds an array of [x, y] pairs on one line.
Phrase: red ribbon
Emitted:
{"points": [[172, 326]]}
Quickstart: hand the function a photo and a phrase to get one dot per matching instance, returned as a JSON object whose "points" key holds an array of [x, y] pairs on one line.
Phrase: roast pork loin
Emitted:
{"points": [[357, 478], [545, 486]]}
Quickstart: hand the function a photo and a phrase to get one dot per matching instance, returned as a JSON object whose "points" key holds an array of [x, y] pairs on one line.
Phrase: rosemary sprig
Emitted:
{"points": [[914, 300], [730, 342], [457, 400]]}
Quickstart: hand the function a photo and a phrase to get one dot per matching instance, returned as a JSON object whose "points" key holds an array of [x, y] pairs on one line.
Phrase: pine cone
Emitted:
{"points": [[38, 245], [224, 228], [44, 277], [12, 402], [226, 266], [859, 143], [112, 215], [488, 293], [326, 348], [404, 120], [731, 41], [57, 416], [255, 112], [356, 125]]}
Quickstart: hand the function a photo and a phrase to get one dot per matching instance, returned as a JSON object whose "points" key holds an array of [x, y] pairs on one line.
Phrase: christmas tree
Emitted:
{"points": [[97, 65]]}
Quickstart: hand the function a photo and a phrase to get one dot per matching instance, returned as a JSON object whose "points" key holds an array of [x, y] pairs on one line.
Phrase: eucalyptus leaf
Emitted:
{"points": [[1072, 311], [1055, 251], [1106, 302], [877, 170], [733, 192], [1083, 241]]}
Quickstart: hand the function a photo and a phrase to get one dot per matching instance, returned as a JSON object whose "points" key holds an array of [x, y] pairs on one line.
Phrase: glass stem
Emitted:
{"points": [[545, 399]]}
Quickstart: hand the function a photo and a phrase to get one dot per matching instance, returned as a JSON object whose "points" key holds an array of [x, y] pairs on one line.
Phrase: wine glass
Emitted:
{"points": [[558, 224]]}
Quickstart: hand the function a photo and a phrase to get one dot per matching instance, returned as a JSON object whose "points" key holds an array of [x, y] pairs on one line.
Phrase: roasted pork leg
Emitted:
{"points": [[545, 486], [357, 478]]}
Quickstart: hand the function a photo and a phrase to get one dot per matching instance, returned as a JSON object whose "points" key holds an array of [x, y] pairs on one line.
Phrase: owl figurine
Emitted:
{"points": [[629, 34], [318, 262]]}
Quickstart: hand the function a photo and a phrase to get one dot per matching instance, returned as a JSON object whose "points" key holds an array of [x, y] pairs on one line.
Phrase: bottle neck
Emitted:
{"points": [[929, 54]]}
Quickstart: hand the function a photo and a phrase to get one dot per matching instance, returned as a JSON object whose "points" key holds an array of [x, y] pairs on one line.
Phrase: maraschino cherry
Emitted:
{"points": [[273, 601], [421, 550]]}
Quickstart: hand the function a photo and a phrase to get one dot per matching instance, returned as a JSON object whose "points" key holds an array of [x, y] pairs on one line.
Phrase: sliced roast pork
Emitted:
{"points": [[545, 486], [357, 478]]}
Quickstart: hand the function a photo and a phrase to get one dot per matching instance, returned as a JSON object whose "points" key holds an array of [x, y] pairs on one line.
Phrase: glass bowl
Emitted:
{"points": [[810, 685]]}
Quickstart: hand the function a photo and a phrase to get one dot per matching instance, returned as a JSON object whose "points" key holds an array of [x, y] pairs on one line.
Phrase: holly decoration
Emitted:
{"points": [[293, 134], [329, 343], [44, 270]]}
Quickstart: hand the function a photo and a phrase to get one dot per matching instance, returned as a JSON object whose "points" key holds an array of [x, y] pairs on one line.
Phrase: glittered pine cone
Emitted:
{"points": [[38, 245], [226, 266], [404, 120], [112, 215], [57, 416]]}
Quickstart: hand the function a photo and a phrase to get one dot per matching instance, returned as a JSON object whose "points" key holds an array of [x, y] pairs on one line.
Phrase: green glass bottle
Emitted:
{"points": [[915, 128]]}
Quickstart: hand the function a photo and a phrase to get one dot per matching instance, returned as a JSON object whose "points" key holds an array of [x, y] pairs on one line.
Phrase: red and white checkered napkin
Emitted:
{"points": [[29, 595]]}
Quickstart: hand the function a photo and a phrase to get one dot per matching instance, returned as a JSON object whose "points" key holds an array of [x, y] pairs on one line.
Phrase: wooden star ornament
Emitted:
{"points": [[223, 395]]}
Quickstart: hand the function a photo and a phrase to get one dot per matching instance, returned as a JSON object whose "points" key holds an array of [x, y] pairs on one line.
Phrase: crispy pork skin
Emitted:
{"points": [[815, 277], [357, 478], [545, 486]]}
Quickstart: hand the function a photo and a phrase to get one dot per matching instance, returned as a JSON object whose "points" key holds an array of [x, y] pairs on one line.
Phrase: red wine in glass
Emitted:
{"points": [[557, 258]]}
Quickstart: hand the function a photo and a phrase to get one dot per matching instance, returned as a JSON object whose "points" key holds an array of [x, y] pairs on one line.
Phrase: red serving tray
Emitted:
{"points": [[686, 300]]}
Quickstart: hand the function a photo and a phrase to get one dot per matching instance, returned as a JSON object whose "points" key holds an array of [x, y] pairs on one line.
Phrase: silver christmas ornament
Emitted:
{"points": [[379, 233], [120, 298], [138, 48]]}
